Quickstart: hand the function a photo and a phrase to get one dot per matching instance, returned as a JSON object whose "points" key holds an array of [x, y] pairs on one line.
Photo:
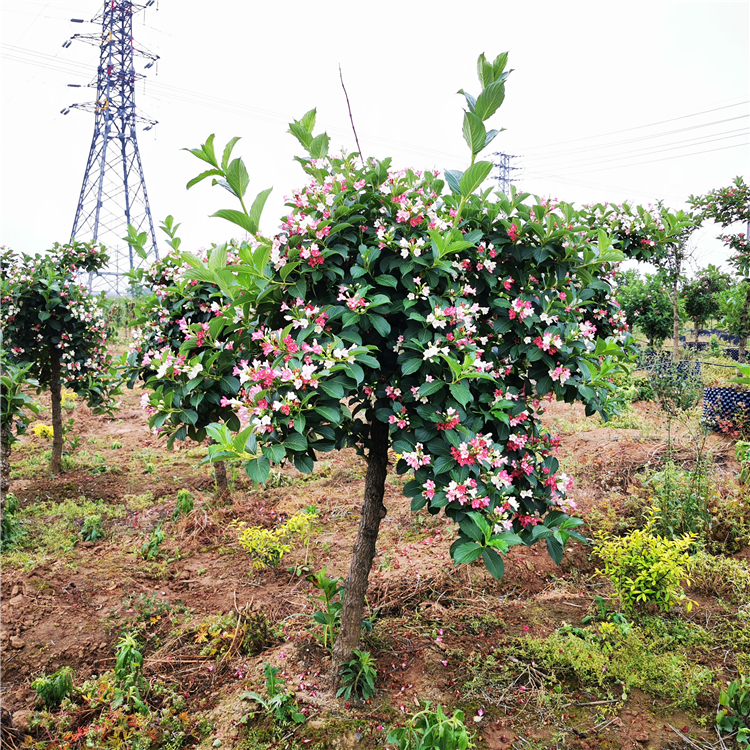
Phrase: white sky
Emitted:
{"points": [[591, 83]]}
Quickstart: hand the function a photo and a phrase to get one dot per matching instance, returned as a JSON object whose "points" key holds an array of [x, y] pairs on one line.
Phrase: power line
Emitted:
{"points": [[651, 161], [653, 150], [638, 127], [636, 140]]}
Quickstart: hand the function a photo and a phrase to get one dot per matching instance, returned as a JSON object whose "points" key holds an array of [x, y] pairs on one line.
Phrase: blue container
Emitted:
{"points": [[726, 404]]}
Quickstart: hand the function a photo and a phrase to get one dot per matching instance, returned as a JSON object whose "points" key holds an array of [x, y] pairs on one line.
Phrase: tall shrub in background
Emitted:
{"points": [[701, 295], [179, 350], [730, 207], [646, 304], [54, 326], [397, 308]]}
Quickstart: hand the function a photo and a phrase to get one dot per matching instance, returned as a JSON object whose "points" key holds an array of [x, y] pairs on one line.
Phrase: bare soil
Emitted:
{"points": [[70, 607]]}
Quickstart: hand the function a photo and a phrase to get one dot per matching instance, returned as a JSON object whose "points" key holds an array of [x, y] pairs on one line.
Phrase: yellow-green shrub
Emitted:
{"points": [[268, 546], [646, 568], [42, 431]]}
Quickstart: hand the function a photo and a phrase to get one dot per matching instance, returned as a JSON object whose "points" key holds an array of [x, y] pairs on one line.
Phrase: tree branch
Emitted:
{"points": [[351, 119]]}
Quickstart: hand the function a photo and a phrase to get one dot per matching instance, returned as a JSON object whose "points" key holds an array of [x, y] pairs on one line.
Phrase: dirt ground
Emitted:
{"points": [[69, 608]]}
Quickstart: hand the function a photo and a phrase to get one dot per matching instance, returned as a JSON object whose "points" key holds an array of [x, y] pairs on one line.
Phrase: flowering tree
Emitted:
{"points": [[730, 206], [701, 295], [179, 351], [656, 235], [646, 305], [52, 324], [399, 309]]}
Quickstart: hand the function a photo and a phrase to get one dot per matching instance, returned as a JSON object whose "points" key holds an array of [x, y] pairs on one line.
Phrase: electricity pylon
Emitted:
{"points": [[113, 193], [503, 165]]}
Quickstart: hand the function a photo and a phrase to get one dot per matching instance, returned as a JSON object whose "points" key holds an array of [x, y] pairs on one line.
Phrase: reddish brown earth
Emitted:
{"points": [[68, 609]]}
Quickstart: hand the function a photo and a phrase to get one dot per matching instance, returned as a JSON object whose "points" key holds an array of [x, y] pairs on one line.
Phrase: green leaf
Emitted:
{"points": [[387, 280], [411, 366], [304, 463], [202, 176], [257, 209], [205, 152], [474, 176], [237, 177], [489, 101], [236, 217], [494, 563], [453, 177], [427, 389], [329, 413], [555, 549], [258, 469], [461, 393], [319, 146], [380, 324], [467, 553], [228, 152], [474, 132], [295, 442], [275, 453], [418, 502], [333, 389]]}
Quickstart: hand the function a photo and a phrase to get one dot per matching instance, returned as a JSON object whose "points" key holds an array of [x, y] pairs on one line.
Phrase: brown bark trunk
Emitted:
{"points": [[697, 333], [373, 512], [675, 326], [4, 469], [55, 392], [744, 322], [222, 484]]}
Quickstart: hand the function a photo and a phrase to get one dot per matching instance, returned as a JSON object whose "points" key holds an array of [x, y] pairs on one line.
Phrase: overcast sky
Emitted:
{"points": [[608, 100]]}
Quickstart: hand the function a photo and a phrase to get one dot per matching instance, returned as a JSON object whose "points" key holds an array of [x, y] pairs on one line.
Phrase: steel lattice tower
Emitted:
{"points": [[503, 165], [113, 193]]}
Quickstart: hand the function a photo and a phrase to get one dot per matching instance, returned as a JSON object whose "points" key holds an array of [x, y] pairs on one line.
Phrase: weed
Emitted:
{"points": [[54, 688], [129, 674], [250, 632], [429, 729], [329, 616], [150, 548], [92, 530], [602, 657], [116, 445], [358, 676], [279, 704], [184, 504], [720, 576], [68, 399], [734, 714], [10, 528]]}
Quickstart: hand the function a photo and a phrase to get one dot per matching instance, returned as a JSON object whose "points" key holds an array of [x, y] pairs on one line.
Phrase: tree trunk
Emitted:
{"points": [[222, 484], [4, 468], [697, 333], [675, 327], [744, 319], [373, 512], [55, 392]]}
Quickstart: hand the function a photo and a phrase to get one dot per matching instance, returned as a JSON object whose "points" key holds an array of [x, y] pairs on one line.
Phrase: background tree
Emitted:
{"points": [[177, 351], [701, 295], [730, 207], [646, 304], [52, 325], [656, 235]]}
